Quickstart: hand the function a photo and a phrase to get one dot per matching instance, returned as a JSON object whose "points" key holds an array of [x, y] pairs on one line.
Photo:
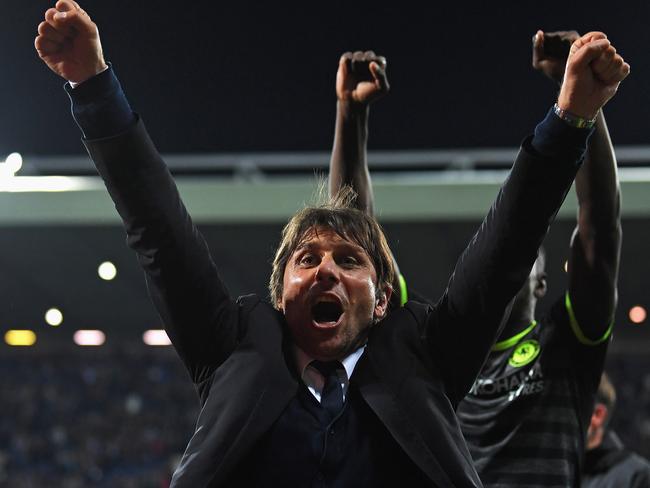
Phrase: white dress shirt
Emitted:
{"points": [[315, 381]]}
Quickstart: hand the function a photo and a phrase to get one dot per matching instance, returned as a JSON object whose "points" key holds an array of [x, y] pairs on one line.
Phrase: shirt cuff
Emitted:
{"points": [[75, 84], [555, 138], [99, 106]]}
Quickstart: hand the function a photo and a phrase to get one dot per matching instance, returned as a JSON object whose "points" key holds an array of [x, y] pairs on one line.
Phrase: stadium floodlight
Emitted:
{"points": [[637, 314], [14, 162], [107, 271], [54, 317], [20, 337], [156, 337], [89, 337], [10, 182], [10, 166]]}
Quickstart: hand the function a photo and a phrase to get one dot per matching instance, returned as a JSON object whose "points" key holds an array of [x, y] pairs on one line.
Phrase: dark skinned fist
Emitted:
{"points": [[361, 78]]}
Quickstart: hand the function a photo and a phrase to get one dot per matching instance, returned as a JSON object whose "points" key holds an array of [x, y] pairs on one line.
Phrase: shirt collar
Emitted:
{"points": [[349, 362], [314, 380]]}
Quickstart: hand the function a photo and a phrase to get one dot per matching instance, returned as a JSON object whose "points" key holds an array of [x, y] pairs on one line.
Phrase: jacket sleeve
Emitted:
{"points": [[494, 266], [199, 316]]}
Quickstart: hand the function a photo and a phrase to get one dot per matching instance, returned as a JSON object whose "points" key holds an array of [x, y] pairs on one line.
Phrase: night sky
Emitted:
{"points": [[259, 76]]}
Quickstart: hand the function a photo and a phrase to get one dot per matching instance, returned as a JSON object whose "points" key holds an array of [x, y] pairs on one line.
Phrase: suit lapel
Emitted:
{"points": [[270, 404], [382, 401], [277, 386]]}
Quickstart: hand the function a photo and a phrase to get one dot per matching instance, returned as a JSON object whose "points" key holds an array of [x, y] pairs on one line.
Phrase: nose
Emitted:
{"points": [[328, 270]]}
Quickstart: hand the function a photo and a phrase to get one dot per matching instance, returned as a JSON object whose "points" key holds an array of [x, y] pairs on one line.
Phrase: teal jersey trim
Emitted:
{"points": [[403, 293], [577, 331], [508, 343]]}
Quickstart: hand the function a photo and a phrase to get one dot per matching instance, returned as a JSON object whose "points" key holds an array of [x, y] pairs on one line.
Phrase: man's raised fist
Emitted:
{"points": [[68, 42], [593, 72]]}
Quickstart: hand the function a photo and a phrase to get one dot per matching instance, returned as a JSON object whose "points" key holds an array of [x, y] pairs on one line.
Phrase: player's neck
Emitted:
{"points": [[516, 325]]}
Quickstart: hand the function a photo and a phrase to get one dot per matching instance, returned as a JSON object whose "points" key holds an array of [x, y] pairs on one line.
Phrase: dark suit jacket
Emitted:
{"points": [[419, 361]]}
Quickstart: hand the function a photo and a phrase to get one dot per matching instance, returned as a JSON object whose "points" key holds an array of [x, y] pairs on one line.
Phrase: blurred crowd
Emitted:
{"points": [[631, 378], [93, 418], [121, 418]]}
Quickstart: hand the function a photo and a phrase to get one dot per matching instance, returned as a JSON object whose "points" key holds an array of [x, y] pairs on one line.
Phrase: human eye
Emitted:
{"points": [[350, 261], [306, 259]]}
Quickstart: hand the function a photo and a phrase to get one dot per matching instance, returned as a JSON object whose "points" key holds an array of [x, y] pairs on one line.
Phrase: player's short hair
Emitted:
{"points": [[341, 216], [606, 395]]}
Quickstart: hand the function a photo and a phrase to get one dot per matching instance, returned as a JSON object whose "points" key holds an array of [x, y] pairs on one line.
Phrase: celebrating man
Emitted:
{"points": [[322, 386]]}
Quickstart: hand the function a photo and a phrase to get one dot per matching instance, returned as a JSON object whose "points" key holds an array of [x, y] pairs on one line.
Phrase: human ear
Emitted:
{"points": [[540, 286], [599, 415], [381, 303]]}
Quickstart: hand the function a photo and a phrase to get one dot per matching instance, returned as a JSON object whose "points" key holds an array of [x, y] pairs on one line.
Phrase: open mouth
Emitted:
{"points": [[326, 313]]}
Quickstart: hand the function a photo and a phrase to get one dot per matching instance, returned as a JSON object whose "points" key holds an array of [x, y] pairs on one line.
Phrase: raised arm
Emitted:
{"points": [[360, 80], [182, 278], [498, 259], [596, 242]]}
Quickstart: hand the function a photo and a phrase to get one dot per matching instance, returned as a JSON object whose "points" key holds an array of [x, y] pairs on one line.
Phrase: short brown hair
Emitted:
{"points": [[340, 215]]}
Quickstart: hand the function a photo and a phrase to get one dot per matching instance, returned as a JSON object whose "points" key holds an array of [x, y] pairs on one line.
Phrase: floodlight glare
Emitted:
{"points": [[20, 337], [156, 337], [637, 314], [107, 271], [54, 317], [14, 162], [89, 337]]}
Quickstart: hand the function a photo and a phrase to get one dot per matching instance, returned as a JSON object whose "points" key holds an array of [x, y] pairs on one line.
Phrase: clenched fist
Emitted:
{"points": [[361, 78], [593, 73], [550, 52], [68, 42]]}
